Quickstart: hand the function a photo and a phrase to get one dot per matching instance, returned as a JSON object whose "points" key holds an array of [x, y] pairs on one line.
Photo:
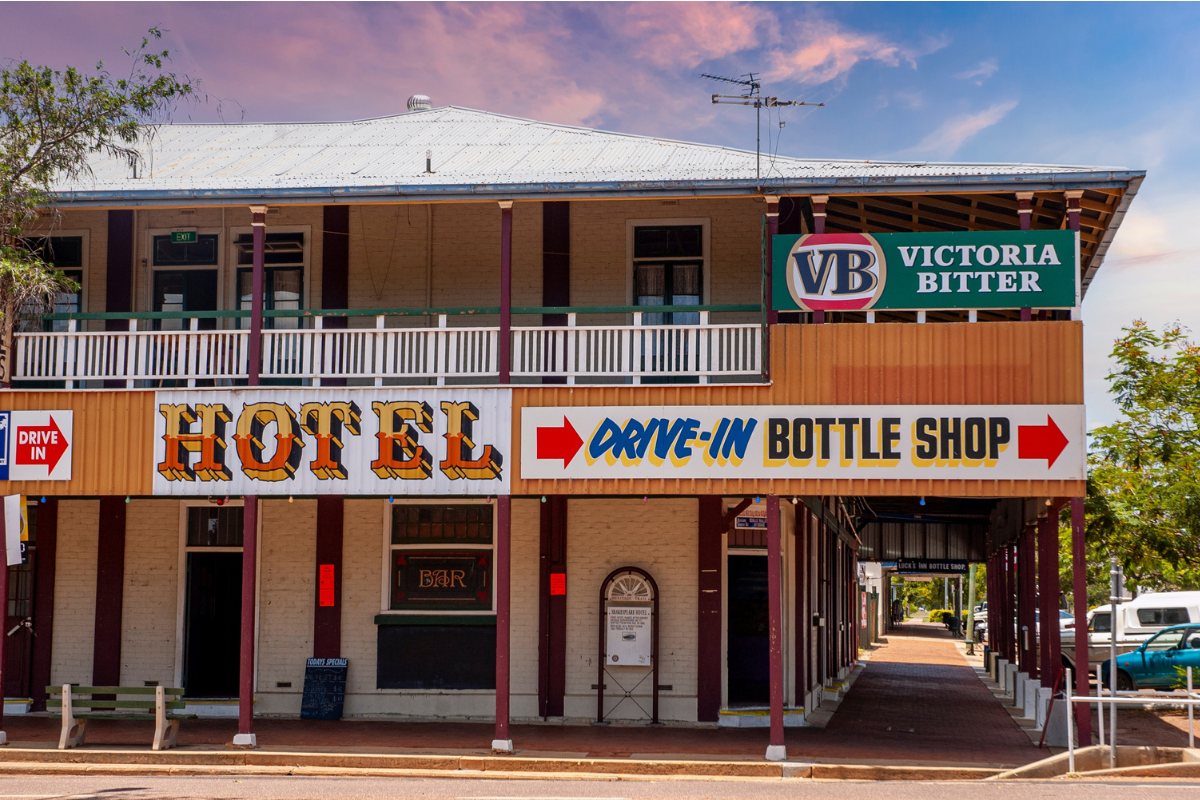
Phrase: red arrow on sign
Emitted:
{"points": [[561, 442], [1041, 441], [40, 444]]}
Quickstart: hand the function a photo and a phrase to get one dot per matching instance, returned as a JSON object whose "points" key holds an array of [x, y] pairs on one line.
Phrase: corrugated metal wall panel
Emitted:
{"points": [[112, 440], [992, 362]]}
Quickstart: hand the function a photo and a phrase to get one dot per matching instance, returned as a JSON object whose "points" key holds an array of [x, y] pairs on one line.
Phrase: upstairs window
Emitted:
{"points": [[64, 253], [668, 270], [283, 276]]}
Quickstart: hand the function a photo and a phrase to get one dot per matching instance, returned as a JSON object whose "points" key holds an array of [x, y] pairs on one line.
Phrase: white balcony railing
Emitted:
{"points": [[579, 354]]}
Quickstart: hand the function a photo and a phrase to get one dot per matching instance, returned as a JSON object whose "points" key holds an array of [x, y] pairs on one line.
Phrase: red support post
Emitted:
{"points": [[1083, 684], [245, 736], [1010, 602], [502, 742], [4, 615], [1027, 602], [254, 354], [776, 751], [504, 346]]}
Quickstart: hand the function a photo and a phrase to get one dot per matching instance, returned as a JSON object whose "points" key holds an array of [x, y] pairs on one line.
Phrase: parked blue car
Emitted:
{"points": [[1161, 662]]}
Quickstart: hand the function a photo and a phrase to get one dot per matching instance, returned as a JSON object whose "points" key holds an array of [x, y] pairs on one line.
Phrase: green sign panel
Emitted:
{"points": [[920, 271], [183, 237]]}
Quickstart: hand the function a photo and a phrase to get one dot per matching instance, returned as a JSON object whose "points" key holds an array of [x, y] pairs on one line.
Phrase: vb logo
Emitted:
{"points": [[836, 271]]}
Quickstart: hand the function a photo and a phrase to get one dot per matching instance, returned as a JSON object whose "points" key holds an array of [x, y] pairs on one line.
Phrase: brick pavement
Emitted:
{"points": [[919, 686]]}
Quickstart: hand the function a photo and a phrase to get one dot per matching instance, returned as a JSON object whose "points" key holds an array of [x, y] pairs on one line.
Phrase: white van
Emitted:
{"points": [[1137, 621]]}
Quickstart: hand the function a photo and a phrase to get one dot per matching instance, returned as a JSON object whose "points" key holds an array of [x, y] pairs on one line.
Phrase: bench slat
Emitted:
{"points": [[114, 690], [135, 704], [138, 718]]}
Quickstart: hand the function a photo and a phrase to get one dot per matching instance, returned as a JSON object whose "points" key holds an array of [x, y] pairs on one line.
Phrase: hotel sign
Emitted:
{"points": [[959, 442], [917, 271], [381, 441]]}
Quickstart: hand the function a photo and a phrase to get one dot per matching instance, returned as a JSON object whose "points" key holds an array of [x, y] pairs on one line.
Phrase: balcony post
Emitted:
{"points": [[772, 230], [504, 346], [502, 741], [818, 204], [254, 362], [776, 750], [245, 736], [1025, 212]]}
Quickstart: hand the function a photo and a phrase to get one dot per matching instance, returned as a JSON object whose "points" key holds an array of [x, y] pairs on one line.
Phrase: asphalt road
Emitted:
{"points": [[264, 788]]}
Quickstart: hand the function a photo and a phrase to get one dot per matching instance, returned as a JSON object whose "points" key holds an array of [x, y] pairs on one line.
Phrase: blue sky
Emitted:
{"points": [[1110, 84]]}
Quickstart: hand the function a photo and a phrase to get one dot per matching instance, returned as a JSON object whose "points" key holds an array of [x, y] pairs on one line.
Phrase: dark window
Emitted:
{"points": [[64, 253], [666, 271], [437, 524], [278, 248], [1101, 623], [1161, 617], [676, 241], [450, 656], [219, 526], [200, 253]]}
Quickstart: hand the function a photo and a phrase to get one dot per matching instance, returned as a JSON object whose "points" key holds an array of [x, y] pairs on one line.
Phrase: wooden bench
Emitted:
{"points": [[74, 725]]}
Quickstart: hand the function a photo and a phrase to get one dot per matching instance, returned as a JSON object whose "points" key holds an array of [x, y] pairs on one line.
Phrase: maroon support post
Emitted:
{"points": [[776, 751], [1025, 213], [1083, 716], [505, 344], [254, 359], [772, 229], [502, 743], [4, 597], [245, 736], [43, 601], [327, 615], [818, 203], [1051, 648], [709, 606], [1026, 605]]}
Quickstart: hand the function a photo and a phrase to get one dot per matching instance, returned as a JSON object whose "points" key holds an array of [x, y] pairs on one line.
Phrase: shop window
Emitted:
{"points": [[283, 276], [441, 557], [219, 526], [668, 270]]}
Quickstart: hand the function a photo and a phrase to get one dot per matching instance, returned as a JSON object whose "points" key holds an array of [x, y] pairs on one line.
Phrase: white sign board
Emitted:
{"points": [[945, 442], [36, 445], [378, 441], [14, 518], [628, 642]]}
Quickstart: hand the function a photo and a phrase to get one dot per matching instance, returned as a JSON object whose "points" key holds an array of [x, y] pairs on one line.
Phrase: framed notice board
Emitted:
{"points": [[324, 688]]}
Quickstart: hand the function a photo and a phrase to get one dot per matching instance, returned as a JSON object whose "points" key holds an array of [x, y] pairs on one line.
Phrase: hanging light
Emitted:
{"points": [[43, 499], [922, 501], [489, 499], [391, 499], [126, 498], [290, 500], [758, 499], [543, 498], [645, 498]]}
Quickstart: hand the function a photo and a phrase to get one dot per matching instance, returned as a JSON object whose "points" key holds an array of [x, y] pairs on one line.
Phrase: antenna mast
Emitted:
{"points": [[752, 96]]}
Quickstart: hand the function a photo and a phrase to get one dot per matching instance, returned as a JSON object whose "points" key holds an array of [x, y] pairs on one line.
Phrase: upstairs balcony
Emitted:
{"points": [[380, 347]]}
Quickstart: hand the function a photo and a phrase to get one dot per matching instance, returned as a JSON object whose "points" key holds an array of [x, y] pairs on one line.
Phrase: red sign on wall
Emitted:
{"points": [[326, 593], [558, 583]]}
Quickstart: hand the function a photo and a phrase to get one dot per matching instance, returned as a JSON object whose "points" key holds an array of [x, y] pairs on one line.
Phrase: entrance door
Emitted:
{"points": [[18, 645], [748, 631], [213, 624], [185, 290]]}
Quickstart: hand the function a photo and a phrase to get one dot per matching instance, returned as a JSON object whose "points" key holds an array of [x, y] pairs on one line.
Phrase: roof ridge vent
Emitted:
{"points": [[420, 102]]}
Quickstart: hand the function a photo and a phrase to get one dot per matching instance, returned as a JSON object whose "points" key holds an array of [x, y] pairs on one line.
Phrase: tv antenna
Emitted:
{"points": [[752, 96]]}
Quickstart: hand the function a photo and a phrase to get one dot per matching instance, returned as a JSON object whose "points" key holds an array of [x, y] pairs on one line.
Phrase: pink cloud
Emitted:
{"points": [[687, 34], [828, 51]]}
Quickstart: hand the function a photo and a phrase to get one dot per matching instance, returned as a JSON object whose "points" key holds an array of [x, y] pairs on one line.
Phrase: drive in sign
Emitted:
{"points": [[947, 442], [915, 271], [35, 445]]}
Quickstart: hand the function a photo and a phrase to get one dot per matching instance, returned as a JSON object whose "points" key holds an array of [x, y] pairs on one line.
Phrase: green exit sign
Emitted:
{"points": [[183, 237]]}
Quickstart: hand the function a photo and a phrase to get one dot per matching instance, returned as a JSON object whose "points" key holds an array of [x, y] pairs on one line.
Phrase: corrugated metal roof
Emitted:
{"points": [[476, 152]]}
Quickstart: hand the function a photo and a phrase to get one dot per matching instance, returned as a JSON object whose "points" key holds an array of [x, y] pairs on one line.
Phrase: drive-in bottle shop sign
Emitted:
{"points": [[918, 271]]}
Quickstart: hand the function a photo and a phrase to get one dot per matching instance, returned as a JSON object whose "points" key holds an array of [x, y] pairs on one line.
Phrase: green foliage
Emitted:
{"points": [[940, 615], [1143, 498], [51, 122]]}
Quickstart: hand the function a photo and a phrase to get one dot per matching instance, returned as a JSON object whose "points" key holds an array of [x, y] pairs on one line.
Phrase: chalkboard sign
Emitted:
{"points": [[324, 688]]}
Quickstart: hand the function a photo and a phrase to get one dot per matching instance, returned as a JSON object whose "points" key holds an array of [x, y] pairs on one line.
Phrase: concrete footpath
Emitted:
{"points": [[915, 711]]}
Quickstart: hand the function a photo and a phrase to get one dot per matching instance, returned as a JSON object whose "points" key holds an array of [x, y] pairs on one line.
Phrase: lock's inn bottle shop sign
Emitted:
{"points": [[948, 442], [918, 271], [377, 441]]}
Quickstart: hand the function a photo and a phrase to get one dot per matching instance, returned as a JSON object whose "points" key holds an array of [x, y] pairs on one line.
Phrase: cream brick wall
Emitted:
{"points": [[287, 592], [660, 537], [149, 607], [75, 591], [362, 563], [525, 577]]}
